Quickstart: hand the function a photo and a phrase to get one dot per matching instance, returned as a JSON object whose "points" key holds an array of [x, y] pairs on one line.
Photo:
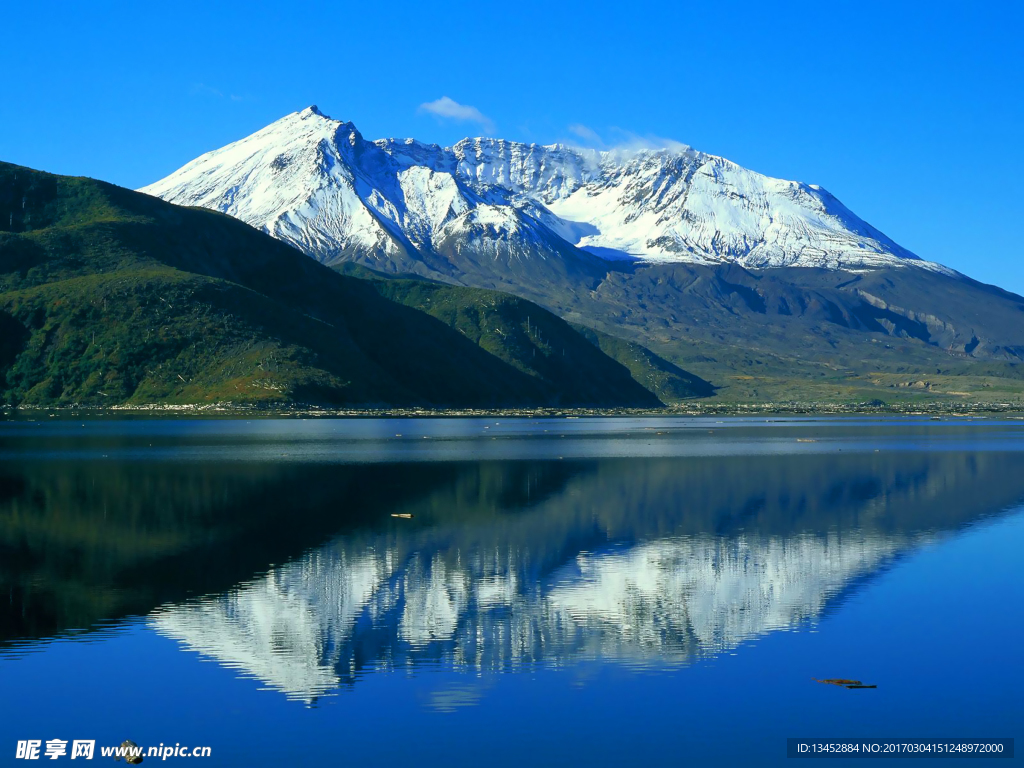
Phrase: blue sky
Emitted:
{"points": [[911, 113]]}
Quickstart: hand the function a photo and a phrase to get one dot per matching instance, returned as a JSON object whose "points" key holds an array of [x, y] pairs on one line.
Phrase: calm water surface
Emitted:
{"points": [[509, 592]]}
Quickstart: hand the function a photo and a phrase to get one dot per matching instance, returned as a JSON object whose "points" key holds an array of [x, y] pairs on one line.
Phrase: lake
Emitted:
{"points": [[508, 592]]}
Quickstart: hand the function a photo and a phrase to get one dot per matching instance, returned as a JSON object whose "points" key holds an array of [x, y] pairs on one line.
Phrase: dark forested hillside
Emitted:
{"points": [[110, 296]]}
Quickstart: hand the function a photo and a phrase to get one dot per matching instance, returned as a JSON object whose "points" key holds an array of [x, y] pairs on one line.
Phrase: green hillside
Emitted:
{"points": [[109, 296], [531, 338], [665, 379]]}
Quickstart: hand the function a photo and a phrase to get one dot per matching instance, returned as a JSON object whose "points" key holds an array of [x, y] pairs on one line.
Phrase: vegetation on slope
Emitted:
{"points": [[531, 338], [110, 296]]}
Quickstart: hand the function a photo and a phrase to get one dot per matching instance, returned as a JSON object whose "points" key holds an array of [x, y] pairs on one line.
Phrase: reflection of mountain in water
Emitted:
{"points": [[647, 562], [505, 563], [313, 624]]}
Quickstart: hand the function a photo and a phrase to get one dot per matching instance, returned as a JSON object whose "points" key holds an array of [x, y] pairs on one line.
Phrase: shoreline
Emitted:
{"points": [[688, 410]]}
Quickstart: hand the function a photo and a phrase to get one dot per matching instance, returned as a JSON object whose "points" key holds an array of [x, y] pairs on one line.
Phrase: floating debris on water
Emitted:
{"points": [[842, 682], [402, 515]]}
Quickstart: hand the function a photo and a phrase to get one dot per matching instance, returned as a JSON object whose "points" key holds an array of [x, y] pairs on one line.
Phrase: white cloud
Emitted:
{"points": [[449, 109], [629, 141], [202, 89], [623, 141], [589, 135]]}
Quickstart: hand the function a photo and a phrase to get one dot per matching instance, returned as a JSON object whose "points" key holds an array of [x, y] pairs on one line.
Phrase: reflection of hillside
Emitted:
{"points": [[87, 542], [645, 561]]}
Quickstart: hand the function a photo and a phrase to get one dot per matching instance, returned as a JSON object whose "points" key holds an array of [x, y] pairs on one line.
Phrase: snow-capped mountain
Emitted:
{"points": [[671, 248], [488, 204]]}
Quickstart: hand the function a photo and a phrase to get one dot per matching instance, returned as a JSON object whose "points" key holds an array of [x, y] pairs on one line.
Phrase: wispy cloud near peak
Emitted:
{"points": [[446, 108], [202, 89], [589, 135], [629, 141], [622, 141]]}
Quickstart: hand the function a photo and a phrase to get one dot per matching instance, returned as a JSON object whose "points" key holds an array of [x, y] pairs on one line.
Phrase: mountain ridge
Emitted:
{"points": [[370, 199]]}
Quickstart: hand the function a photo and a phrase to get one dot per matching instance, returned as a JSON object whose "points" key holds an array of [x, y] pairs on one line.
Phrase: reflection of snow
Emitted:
{"points": [[311, 624], [718, 591], [434, 601], [274, 628]]}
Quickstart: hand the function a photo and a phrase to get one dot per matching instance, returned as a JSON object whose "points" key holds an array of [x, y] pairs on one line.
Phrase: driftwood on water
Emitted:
{"points": [[843, 682]]}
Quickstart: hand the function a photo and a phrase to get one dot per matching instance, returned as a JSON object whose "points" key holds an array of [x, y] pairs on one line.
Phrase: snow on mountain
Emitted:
{"points": [[318, 184]]}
